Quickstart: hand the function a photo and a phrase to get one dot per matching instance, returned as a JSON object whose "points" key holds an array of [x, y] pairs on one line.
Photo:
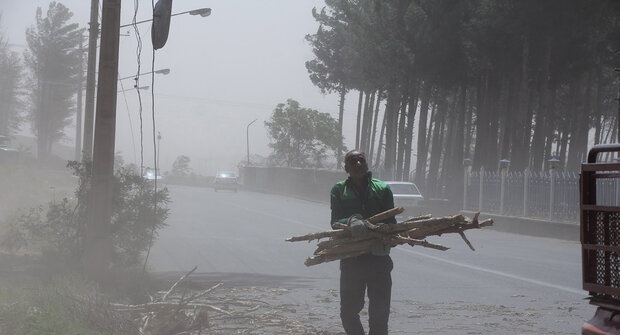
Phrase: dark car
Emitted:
{"points": [[225, 180]]}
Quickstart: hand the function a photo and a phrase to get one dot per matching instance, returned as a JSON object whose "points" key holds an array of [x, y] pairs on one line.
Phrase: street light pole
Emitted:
{"points": [[79, 112], [158, 154], [93, 34], [247, 138]]}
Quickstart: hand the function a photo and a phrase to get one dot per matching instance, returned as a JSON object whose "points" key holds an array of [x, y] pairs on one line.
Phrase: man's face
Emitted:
{"points": [[356, 165]]}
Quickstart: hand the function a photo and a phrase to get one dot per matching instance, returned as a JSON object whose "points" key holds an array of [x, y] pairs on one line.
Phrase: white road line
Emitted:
{"points": [[498, 273]]}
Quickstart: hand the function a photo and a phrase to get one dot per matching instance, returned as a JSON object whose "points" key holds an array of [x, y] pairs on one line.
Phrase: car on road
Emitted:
{"points": [[149, 173], [408, 196], [225, 180], [7, 153]]}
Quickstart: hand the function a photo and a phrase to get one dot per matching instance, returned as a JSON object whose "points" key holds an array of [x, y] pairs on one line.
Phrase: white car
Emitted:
{"points": [[149, 173], [225, 180], [408, 196]]}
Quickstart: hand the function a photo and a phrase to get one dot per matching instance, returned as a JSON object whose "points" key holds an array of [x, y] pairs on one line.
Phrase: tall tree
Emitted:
{"points": [[329, 70], [53, 58], [523, 80], [301, 137], [11, 103], [180, 166]]}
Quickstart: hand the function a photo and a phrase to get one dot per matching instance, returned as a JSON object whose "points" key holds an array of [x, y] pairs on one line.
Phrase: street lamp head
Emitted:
{"points": [[204, 12], [135, 77]]}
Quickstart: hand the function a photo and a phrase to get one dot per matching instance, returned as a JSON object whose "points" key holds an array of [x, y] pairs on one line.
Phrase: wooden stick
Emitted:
{"points": [[405, 240], [432, 222], [318, 236], [385, 215], [177, 283], [314, 260], [462, 234], [342, 245]]}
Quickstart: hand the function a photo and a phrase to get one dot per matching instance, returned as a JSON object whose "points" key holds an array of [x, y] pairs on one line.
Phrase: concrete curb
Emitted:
{"points": [[533, 227]]}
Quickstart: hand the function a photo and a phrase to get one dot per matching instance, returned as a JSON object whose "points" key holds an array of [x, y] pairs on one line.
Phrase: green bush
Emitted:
{"points": [[59, 231]]}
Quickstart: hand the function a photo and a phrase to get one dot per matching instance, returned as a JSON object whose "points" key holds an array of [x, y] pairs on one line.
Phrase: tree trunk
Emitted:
{"points": [[436, 145], [359, 120], [523, 118], [374, 127], [339, 154], [452, 163], [481, 149], [412, 109], [420, 170], [381, 137], [579, 141], [366, 122], [402, 121], [391, 115], [541, 132]]}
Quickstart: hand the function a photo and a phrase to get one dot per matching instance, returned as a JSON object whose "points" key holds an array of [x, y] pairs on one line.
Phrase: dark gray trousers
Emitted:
{"points": [[358, 275]]}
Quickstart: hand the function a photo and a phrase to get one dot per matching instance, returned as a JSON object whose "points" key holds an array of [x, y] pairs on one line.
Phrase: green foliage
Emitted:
{"points": [[301, 136], [483, 79], [180, 167], [53, 59], [59, 231], [11, 103]]}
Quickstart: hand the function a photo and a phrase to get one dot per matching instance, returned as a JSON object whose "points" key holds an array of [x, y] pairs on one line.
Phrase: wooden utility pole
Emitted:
{"points": [[79, 113], [89, 115], [98, 244]]}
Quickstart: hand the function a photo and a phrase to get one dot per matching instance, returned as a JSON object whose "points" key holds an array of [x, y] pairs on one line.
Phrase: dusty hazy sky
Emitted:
{"points": [[226, 70]]}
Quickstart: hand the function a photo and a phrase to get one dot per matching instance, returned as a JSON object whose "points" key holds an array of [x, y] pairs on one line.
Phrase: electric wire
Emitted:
{"points": [[134, 25], [155, 157], [133, 140]]}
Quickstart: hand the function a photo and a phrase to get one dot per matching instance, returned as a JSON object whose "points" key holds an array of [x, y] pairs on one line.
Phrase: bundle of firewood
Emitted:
{"points": [[342, 244]]}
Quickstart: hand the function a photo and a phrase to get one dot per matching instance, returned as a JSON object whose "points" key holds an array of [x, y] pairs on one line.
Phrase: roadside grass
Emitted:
{"points": [[64, 305], [26, 186]]}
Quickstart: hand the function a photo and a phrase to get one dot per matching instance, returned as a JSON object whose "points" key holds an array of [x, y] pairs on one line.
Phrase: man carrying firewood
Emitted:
{"points": [[361, 196]]}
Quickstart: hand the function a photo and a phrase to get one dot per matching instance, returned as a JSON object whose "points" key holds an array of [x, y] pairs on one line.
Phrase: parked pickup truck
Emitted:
{"points": [[600, 237]]}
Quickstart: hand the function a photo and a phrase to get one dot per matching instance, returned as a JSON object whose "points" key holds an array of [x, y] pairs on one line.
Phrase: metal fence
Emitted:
{"points": [[551, 195]]}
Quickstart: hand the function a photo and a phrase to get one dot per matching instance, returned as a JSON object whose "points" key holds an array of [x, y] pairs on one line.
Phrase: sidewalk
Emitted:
{"points": [[532, 227], [514, 224]]}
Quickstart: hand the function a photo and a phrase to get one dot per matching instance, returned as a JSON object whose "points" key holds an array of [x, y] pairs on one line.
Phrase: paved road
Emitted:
{"points": [[511, 284]]}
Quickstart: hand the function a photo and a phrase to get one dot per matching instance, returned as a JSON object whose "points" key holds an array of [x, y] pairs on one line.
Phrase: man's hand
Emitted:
{"points": [[358, 226]]}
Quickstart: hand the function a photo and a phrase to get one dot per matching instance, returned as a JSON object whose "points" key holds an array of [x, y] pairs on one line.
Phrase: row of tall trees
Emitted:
{"points": [[41, 85], [11, 104], [443, 81]]}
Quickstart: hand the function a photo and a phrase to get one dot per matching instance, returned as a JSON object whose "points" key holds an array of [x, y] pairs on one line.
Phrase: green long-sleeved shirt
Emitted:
{"points": [[346, 200]]}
